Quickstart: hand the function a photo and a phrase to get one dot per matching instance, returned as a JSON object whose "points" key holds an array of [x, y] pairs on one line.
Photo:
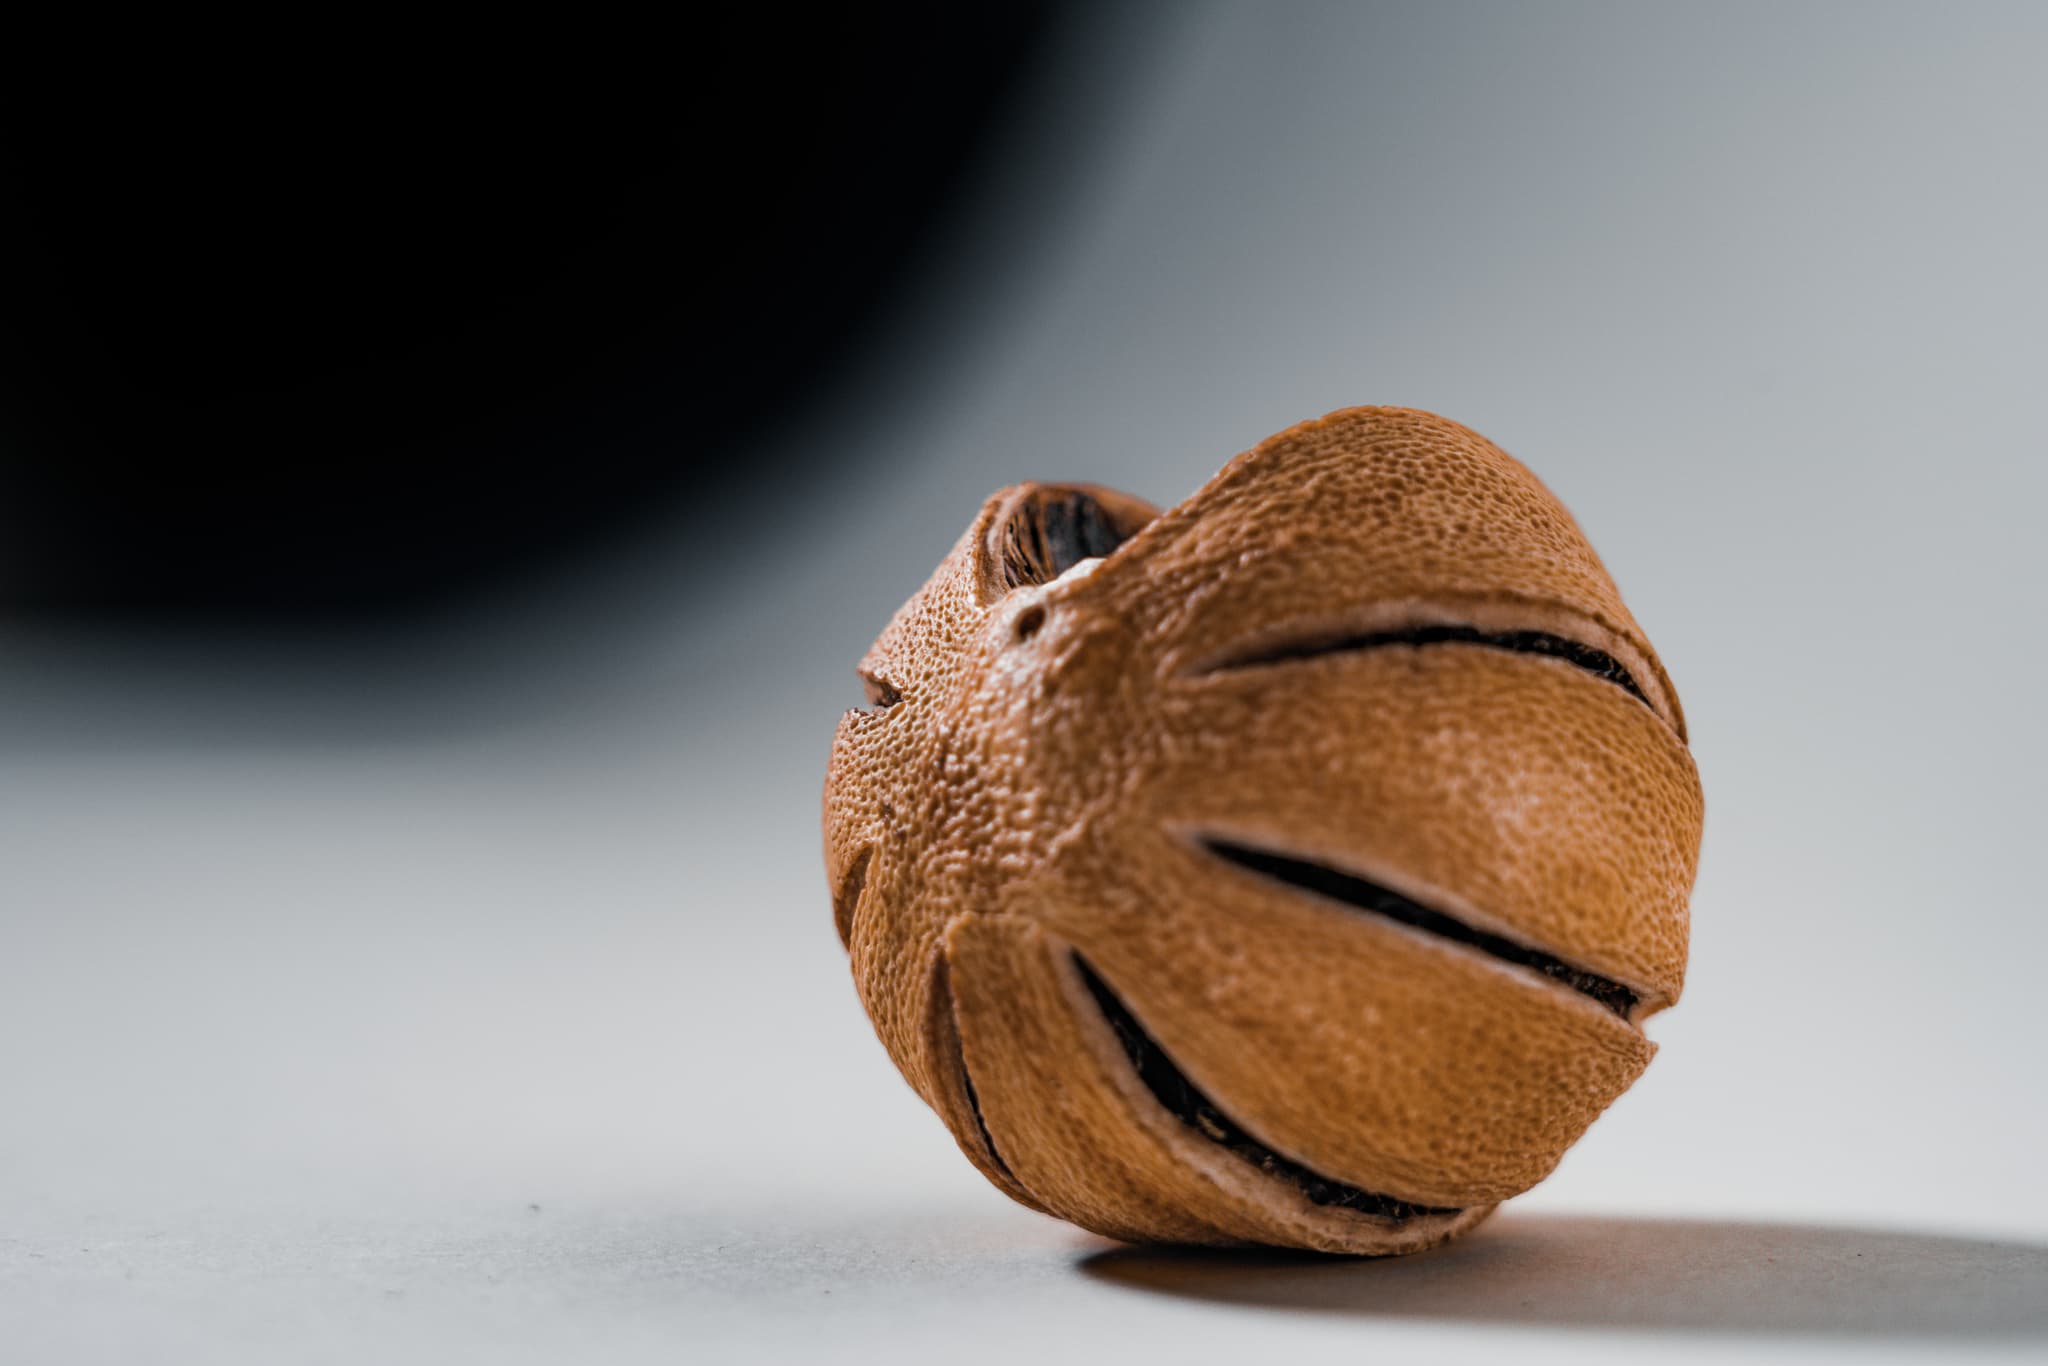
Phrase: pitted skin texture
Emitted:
{"points": [[1049, 754]]}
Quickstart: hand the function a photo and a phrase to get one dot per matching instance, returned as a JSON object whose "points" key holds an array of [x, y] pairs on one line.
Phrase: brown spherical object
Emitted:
{"points": [[1295, 866]]}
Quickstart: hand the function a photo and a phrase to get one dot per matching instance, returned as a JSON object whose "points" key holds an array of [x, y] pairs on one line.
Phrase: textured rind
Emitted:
{"points": [[1038, 792]]}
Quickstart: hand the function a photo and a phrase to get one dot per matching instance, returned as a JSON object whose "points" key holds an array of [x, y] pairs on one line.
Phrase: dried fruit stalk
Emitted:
{"points": [[1295, 866]]}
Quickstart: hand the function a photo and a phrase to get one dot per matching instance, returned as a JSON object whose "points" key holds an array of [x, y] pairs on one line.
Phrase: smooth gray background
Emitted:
{"points": [[472, 994]]}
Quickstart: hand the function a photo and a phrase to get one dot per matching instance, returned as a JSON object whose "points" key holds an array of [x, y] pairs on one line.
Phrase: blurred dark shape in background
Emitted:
{"points": [[298, 327]]}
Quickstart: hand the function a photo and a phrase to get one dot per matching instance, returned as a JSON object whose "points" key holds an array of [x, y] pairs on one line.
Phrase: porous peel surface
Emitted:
{"points": [[1054, 753]]}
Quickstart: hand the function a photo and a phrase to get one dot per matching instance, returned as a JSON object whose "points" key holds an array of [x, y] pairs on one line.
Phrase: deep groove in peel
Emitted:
{"points": [[988, 1140], [1172, 1089], [956, 1045], [1362, 895], [848, 899], [1541, 643]]}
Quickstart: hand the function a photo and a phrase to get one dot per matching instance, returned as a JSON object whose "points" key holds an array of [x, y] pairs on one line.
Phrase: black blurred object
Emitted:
{"points": [[292, 330]]}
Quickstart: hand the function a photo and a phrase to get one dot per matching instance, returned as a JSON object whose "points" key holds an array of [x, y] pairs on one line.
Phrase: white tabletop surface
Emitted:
{"points": [[470, 993]]}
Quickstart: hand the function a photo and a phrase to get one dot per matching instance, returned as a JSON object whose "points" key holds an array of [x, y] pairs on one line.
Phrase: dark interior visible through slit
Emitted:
{"points": [[1597, 662], [988, 1140], [950, 1043], [1052, 530], [1171, 1087], [1370, 896]]}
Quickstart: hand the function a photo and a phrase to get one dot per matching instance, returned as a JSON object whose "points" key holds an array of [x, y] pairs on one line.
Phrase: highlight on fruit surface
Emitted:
{"points": [[1294, 866]]}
